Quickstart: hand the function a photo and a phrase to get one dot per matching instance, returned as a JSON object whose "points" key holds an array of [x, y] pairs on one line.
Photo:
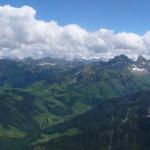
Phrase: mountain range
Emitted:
{"points": [[57, 104]]}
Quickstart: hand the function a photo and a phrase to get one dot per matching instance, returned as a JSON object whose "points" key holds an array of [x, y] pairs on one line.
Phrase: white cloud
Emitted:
{"points": [[22, 35]]}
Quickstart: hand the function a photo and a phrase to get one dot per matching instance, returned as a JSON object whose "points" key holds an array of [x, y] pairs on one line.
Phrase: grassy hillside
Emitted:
{"points": [[115, 124]]}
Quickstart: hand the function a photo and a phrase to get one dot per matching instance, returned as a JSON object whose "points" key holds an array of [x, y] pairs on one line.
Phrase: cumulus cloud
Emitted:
{"points": [[22, 35]]}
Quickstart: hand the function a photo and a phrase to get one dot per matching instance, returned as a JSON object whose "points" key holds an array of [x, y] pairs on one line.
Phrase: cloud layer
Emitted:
{"points": [[22, 35]]}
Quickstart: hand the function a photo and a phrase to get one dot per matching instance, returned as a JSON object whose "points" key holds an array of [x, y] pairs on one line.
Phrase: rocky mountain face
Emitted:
{"points": [[41, 101]]}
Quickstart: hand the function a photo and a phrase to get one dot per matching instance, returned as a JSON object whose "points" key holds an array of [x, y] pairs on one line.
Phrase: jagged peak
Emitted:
{"points": [[141, 59], [121, 58]]}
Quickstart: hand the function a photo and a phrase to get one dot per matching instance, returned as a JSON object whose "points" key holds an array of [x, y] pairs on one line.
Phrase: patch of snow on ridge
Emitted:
{"points": [[138, 70], [45, 64]]}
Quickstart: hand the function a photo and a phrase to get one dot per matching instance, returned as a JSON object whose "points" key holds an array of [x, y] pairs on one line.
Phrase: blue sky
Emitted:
{"points": [[74, 28], [118, 15]]}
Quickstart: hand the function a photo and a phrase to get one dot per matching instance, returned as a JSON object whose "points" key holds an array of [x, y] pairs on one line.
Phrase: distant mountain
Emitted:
{"points": [[15, 73], [141, 59]]}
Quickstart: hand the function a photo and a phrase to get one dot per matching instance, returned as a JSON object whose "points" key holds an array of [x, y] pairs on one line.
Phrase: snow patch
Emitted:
{"points": [[46, 63], [139, 69]]}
